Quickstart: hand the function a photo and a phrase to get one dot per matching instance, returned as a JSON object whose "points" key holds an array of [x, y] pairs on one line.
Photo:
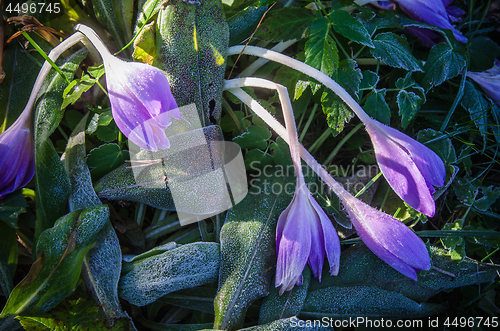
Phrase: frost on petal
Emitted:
{"points": [[489, 81], [402, 173], [388, 238], [294, 245]]}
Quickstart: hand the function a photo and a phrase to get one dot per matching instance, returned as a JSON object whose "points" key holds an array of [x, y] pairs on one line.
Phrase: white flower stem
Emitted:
{"points": [[306, 69], [234, 86], [95, 40], [280, 47], [53, 55]]}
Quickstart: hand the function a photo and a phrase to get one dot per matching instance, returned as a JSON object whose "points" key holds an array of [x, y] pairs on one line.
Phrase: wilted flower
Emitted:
{"points": [[304, 234], [411, 168], [140, 97], [489, 81], [17, 161], [433, 12], [389, 239]]}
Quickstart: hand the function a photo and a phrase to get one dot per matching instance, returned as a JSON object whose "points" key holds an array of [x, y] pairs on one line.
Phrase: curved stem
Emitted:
{"points": [[95, 40], [306, 69], [234, 86]]}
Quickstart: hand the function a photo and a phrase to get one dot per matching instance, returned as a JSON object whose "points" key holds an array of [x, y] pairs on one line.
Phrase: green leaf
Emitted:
{"points": [[466, 191], [276, 307], [490, 196], [452, 242], [8, 258], [409, 103], [21, 70], [102, 119], [443, 63], [50, 177], [285, 24], [371, 287], [255, 137], [336, 111], [11, 207], [376, 107], [477, 106], [394, 51], [369, 80], [243, 23], [234, 122], [349, 77], [183, 267], [256, 159], [321, 50], [483, 52], [77, 87], [105, 13], [121, 184], [347, 26], [195, 71], [105, 158], [102, 264], [60, 253], [197, 298], [281, 153], [248, 249]]}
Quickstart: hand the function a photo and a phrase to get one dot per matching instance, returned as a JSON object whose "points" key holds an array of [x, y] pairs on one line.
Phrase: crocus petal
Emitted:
{"points": [[388, 238], [431, 12], [330, 239], [408, 172], [294, 245], [17, 150], [489, 81], [427, 161], [141, 102]]}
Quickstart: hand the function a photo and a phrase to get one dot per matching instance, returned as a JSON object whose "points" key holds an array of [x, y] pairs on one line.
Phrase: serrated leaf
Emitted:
{"points": [[490, 196], [443, 63], [321, 50], [359, 267], [408, 104], [376, 107], [11, 207], [285, 24], [248, 249], [281, 153], [77, 87], [452, 242], [184, 267], [336, 111], [60, 253], [105, 158], [394, 51], [349, 77], [276, 307], [347, 26], [50, 177], [369, 80], [255, 137], [477, 106], [234, 122], [466, 191]]}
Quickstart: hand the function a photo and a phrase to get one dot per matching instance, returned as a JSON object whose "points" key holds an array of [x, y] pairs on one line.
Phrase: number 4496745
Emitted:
{"points": [[34, 8], [471, 322]]}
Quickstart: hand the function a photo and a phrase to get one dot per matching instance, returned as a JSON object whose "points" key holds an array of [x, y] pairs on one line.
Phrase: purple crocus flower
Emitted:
{"points": [[17, 161], [433, 12], [489, 81], [304, 235], [140, 97], [389, 239], [411, 168]]}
